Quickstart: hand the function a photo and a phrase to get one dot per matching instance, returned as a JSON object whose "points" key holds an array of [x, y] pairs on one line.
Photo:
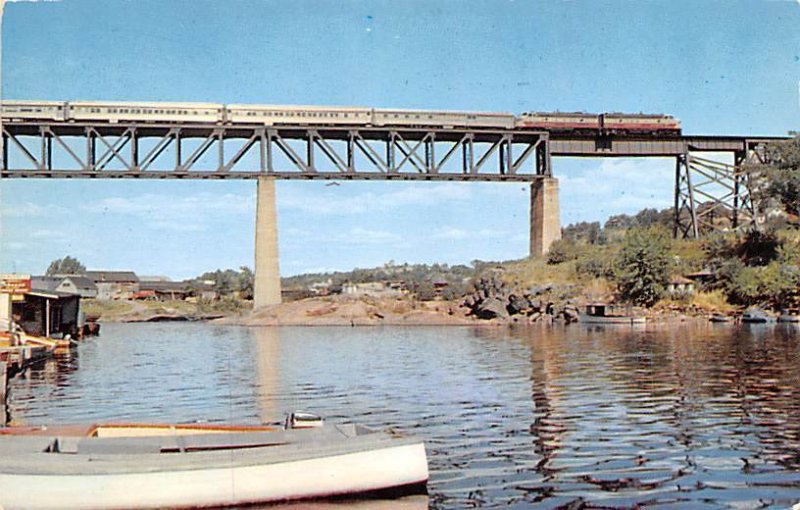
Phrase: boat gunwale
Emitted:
{"points": [[32, 459]]}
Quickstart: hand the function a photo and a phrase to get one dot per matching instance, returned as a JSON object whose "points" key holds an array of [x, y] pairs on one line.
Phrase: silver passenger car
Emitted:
{"points": [[443, 119], [117, 111], [271, 115], [25, 110]]}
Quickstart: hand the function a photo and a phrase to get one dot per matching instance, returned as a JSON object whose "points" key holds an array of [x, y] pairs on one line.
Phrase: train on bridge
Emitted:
{"points": [[590, 124]]}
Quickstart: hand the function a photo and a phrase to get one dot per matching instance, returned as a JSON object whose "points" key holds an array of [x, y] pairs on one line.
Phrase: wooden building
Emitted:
{"points": [[114, 284], [48, 313]]}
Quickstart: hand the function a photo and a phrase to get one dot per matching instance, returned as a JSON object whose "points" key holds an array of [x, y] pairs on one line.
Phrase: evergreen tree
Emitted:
{"points": [[643, 265]]}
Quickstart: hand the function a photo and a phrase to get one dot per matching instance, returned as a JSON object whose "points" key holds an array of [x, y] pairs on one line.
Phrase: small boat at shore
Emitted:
{"points": [[790, 315], [602, 313], [137, 466], [720, 318], [756, 316]]}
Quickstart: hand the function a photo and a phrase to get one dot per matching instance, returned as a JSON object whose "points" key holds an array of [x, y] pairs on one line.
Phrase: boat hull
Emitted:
{"points": [[292, 471], [590, 319]]}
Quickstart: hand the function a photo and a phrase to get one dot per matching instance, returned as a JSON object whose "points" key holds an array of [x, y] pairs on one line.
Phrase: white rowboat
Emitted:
{"points": [[162, 466]]}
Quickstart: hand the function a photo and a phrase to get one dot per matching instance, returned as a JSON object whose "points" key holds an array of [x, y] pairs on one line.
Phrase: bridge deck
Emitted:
{"points": [[57, 149]]}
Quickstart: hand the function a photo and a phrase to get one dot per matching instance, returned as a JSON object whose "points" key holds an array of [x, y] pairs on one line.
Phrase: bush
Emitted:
{"points": [[561, 251], [759, 248], [643, 264], [594, 265]]}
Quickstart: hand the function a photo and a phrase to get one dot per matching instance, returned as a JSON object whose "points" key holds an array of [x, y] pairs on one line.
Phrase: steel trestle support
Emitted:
{"points": [[715, 196]]}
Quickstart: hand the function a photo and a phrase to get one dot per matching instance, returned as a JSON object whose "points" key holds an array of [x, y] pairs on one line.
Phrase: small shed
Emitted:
{"points": [[48, 313], [680, 286]]}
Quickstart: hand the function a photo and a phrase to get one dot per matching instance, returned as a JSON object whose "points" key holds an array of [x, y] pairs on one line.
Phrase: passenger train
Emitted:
{"points": [[273, 115]]}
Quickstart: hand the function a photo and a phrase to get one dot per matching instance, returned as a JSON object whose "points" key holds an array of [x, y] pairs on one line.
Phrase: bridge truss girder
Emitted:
{"points": [[286, 152], [715, 196]]}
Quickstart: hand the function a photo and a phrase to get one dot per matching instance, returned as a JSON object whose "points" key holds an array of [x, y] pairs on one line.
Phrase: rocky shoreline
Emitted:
{"points": [[493, 305]]}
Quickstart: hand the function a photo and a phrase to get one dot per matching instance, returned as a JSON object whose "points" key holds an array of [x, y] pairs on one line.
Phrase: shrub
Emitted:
{"points": [[561, 251], [643, 264]]}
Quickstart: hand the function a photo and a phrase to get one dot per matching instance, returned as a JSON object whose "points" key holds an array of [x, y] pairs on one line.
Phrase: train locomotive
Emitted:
{"points": [[276, 115]]}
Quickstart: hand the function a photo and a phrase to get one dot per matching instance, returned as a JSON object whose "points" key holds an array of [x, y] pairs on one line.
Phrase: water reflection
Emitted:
{"points": [[695, 415], [267, 342]]}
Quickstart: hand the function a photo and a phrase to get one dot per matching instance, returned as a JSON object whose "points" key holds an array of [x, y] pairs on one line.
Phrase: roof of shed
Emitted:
{"points": [[112, 276]]}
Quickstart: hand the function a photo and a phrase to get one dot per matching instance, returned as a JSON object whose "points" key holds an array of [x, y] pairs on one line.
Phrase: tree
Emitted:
{"points": [[245, 282], [783, 175], [561, 251], [643, 264], [67, 265], [582, 231]]}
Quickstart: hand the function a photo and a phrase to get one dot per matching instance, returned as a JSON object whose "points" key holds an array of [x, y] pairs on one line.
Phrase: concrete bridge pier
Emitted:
{"points": [[545, 216], [267, 285]]}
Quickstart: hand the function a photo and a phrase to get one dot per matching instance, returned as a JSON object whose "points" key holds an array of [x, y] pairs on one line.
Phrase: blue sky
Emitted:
{"points": [[721, 67]]}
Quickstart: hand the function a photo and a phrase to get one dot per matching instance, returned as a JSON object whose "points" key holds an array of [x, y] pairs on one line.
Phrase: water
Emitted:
{"points": [[692, 416]]}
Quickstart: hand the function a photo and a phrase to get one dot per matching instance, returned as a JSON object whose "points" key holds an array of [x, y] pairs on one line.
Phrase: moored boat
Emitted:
{"points": [[609, 314], [789, 315], [756, 316], [720, 317], [186, 466]]}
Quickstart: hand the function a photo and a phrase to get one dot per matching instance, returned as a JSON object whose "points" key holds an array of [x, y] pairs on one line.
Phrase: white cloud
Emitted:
{"points": [[615, 186], [340, 203], [16, 246], [176, 226], [189, 206], [44, 234], [31, 209], [358, 235], [450, 233]]}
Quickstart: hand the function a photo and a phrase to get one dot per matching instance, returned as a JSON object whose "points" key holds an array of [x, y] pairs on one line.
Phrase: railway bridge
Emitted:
{"points": [[705, 188]]}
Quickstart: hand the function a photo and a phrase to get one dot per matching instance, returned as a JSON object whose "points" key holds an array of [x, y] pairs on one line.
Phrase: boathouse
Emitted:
{"points": [[48, 313]]}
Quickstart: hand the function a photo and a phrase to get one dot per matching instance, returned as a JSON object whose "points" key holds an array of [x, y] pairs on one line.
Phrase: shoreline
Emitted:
{"points": [[347, 311]]}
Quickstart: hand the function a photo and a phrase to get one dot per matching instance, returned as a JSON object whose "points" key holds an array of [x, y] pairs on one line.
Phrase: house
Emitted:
{"points": [[363, 289], [114, 284], [80, 285], [71, 284], [164, 290], [680, 286], [705, 275]]}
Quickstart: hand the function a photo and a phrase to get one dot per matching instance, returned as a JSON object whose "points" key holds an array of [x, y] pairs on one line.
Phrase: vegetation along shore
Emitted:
{"points": [[630, 259]]}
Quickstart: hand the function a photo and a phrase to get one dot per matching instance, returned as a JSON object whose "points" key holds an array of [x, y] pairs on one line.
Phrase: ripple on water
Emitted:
{"points": [[690, 417]]}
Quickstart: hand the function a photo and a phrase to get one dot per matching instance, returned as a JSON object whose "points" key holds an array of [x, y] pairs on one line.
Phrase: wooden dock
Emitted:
{"points": [[3, 393], [14, 360]]}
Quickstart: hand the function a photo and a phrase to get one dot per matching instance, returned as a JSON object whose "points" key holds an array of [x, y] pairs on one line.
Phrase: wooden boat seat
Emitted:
{"points": [[178, 443]]}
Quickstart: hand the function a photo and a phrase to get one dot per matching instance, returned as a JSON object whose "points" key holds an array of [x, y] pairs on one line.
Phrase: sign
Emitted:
{"points": [[15, 284]]}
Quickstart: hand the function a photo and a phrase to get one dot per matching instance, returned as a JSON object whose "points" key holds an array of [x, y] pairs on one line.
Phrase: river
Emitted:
{"points": [[689, 416]]}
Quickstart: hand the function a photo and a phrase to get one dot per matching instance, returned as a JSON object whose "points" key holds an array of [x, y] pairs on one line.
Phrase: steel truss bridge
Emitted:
{"points": [[706, 190]]}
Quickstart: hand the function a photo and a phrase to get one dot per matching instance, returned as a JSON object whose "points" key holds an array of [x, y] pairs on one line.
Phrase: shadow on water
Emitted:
{"points": [[694, 415]]}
